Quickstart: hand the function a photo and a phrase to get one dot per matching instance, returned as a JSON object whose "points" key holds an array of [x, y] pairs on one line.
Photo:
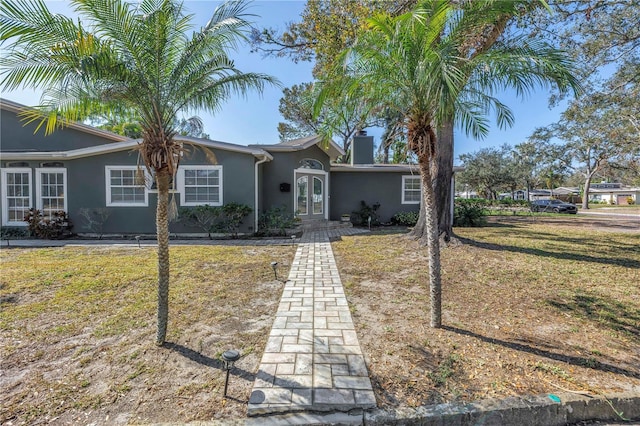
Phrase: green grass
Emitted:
{"points": [[114, 289], [78, 326], [626, 209], [526, 305]]}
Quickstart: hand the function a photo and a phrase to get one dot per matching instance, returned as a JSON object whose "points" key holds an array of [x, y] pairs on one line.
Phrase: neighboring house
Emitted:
{"points": [[614, 193], [81, 167], [467, 194], [519, 194], [571, 195], [535, 194], [568, 194]]}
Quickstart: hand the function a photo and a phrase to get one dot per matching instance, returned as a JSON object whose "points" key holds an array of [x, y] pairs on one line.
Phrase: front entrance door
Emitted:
{"points": [[310, 196]]}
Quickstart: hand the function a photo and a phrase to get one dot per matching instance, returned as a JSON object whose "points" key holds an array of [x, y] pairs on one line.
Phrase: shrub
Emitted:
{"points": [[204, 217], [405, 218], [94, 219], [232, 214], [276, 221], [226, 219], [54, 227], [630, 201], [469, 213], [361, 217], [8, 232], [508, 202]]}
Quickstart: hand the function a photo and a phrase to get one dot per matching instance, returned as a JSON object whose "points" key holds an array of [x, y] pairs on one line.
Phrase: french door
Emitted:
{"points": [[310, 196]]}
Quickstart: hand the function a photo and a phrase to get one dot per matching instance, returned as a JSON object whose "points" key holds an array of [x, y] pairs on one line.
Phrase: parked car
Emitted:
{"points": [[553, 206]]}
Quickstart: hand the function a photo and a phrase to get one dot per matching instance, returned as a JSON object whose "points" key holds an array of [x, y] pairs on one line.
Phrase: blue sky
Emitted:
{"points": [[254, 120]]}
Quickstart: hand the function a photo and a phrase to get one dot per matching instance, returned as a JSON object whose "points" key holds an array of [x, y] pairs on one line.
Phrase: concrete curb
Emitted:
{"points": [[520, 411], [523, 411]]}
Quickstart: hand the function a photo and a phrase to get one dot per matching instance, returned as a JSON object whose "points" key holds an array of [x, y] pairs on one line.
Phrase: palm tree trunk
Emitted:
{"points": [[443, 188], [162, 229], [432, 242]]}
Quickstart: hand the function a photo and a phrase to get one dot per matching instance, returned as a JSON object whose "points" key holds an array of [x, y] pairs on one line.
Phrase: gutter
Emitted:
{"points": [[265, 158]]}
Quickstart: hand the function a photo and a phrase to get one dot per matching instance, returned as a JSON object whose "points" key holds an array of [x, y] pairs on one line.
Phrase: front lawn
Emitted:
{"points": [[77, 327], [528, 308]]}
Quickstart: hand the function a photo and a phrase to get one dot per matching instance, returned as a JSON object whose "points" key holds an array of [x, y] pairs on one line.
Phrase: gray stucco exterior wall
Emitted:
{"points": [[87, 188], [238, 183], [348, 188], [281, 170]]}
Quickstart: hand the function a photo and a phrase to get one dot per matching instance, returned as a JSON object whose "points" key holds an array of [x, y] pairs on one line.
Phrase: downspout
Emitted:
{"points": [[255, 203]]}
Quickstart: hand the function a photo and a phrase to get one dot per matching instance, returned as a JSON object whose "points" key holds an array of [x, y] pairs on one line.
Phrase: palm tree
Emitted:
{"points": [[128, 56], [417, 62]]}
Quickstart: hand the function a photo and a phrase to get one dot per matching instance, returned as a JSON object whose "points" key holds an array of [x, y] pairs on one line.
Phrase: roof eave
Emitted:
{"points": [[12, 106]]}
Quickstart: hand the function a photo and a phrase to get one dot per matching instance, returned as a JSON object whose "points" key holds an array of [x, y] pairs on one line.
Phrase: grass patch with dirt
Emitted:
{"points": [[77, 327], [528, 308]]}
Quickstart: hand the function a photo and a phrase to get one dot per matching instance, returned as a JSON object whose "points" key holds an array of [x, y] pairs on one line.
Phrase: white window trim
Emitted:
{"points": [[39, 173], [107, 181], [3, 194], [404, 180], [181, 184]]}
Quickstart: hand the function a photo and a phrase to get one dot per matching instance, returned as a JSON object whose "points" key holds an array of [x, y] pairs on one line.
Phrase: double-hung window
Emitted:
{"points": [[199, 185], [16, 195], [410, 189], [125, 188], [51, 190]]}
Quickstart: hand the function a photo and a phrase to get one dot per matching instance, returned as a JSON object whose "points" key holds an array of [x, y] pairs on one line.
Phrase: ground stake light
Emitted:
{"points": [[229, 358], [274, 265]]}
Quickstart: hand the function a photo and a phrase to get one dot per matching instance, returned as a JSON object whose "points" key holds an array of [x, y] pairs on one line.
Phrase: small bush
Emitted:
{"points": [[361, 217], [224, 219], [94, 219], [508, 202], [8, 233], [469, 213], [57, 226], [276, 221], [233, 214], [405, 218], [630, 201], [204, 217]]}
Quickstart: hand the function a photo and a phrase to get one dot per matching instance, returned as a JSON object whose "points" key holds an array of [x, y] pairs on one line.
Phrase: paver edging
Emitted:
{"points": [[533, 410]]}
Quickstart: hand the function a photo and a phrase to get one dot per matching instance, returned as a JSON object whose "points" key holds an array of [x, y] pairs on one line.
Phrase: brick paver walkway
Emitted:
{"points": [[312, 360]]}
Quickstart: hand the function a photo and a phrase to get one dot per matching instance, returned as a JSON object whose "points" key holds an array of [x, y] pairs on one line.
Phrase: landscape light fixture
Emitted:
{"points": [[229, 357], [137, 237], [274, 265]]}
